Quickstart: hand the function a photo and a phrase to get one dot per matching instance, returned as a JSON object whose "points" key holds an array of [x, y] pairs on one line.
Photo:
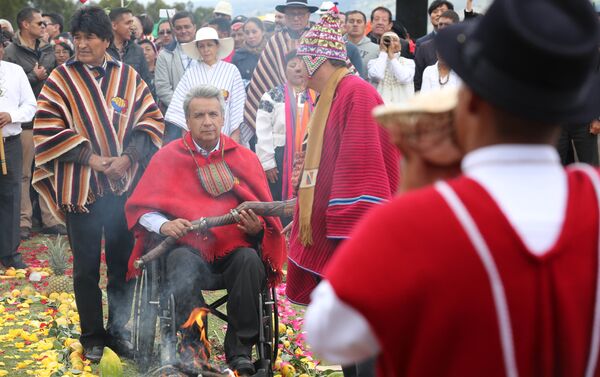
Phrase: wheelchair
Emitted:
{"points": [[154, 318]]}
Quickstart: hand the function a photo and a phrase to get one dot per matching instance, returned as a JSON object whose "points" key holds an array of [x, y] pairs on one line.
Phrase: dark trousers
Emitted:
{"points": [[586, 144], [278, 185], [364, 369], [243, 274], [10, 199], [106, 218]]}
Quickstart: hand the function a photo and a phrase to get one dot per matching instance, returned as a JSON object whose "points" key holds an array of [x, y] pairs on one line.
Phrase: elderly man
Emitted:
{"points": [[171, 64], [17, 105], [96, 127], [213, 174], [508, 284], [381, 23], [270, 71]]}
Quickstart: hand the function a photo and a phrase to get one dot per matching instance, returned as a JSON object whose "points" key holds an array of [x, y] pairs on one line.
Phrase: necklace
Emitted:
{"points": [[443, 80]]}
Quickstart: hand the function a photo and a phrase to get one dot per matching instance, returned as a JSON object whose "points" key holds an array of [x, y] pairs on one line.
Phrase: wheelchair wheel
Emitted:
{"points": [[145, 315], [267, 346]]}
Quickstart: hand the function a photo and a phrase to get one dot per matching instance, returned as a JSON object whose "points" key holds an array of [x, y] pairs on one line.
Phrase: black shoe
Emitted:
{"points": [[14, 261], [94, 354], [56, 229], [242, 365], [122, 347], [25, 233]]}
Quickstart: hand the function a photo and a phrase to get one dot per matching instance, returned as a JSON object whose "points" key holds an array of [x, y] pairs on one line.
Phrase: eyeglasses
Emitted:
{"points": [[41, 23], [164, 32]]}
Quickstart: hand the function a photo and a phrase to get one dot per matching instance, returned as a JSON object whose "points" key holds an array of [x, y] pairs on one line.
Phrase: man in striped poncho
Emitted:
{"points": [[95, 128]]}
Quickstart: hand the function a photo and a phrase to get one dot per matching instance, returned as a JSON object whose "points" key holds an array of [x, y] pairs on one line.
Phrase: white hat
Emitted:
{"points": [[224, 7], [325, 7], [207, 33]]}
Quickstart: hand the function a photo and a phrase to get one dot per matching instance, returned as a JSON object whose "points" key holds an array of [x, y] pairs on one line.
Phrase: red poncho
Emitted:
{"points": [[171, 186]]}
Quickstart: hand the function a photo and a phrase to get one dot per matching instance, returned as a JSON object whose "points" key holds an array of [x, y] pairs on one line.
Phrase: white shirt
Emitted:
{"points": [[153, 221], [394, 77], [222, 75], [513, 176], [16, 97], [431, 79]]}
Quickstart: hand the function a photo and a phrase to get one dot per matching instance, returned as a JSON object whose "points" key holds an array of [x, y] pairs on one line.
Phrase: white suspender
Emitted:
{"points": [[468, 224], [595, 343], [483, 251]]}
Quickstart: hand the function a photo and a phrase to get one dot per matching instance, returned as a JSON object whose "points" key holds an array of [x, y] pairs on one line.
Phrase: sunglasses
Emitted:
{"points": [[164, 32], [41, 23]]}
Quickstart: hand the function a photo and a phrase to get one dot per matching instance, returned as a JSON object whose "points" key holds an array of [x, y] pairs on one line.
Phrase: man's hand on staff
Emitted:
{"points": [[98, 163], [176, 228], [249, 223], [117, 167], [5, 119], [272, 175]]}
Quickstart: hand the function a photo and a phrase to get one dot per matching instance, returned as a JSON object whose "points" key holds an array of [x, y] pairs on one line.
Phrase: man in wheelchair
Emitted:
{"points": [[201, 175]]}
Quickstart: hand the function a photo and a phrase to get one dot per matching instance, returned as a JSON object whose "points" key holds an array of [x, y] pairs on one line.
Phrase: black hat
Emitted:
{"points": [[296, 4], [536, 59]]}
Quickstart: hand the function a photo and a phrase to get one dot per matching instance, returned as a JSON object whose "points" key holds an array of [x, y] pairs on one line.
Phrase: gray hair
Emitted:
{"points": [[203, 91]]}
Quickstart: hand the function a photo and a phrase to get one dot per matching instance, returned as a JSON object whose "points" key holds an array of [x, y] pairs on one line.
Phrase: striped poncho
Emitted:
{"points": [[269, 73], [95, 108]]}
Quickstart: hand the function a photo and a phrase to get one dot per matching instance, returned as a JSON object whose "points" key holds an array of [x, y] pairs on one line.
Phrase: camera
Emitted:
{"points": [[387, 41]]}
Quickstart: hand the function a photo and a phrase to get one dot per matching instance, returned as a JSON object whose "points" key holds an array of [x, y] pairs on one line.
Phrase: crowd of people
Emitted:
{"points": [[122, 129]]}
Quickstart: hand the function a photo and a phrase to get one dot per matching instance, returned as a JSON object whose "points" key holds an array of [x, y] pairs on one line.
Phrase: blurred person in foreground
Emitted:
{"points": [[494, 273], [96, 128]]}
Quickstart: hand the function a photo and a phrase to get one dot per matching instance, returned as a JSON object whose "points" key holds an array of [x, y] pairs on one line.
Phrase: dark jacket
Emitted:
{"points": [[134, 57], [424, 57], [245, 61], [27, 58]]}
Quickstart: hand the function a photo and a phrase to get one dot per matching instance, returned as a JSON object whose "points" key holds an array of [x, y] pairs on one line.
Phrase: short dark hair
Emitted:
{"points": [[221, 23], [147, 23], [438, 3], [116, 13], [513, 126], [389, 12], [183, 14], [92, 20], [451, 15], [349, 13], [26, 14], [290, 55], [256, 21], [56, 19]]}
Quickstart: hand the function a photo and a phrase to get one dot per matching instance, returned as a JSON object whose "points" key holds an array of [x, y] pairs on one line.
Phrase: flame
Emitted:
{"points": [[196, 317]]}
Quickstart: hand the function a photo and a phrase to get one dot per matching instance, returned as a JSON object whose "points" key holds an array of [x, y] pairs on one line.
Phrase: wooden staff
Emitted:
{"points": [[280, 209], [2, 155]]}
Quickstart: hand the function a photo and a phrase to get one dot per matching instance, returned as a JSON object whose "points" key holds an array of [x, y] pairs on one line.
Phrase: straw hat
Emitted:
{"points": [[207, 33]]}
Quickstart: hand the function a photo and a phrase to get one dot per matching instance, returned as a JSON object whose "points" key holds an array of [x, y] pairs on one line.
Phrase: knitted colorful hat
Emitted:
{"points": [[323, 41]]}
